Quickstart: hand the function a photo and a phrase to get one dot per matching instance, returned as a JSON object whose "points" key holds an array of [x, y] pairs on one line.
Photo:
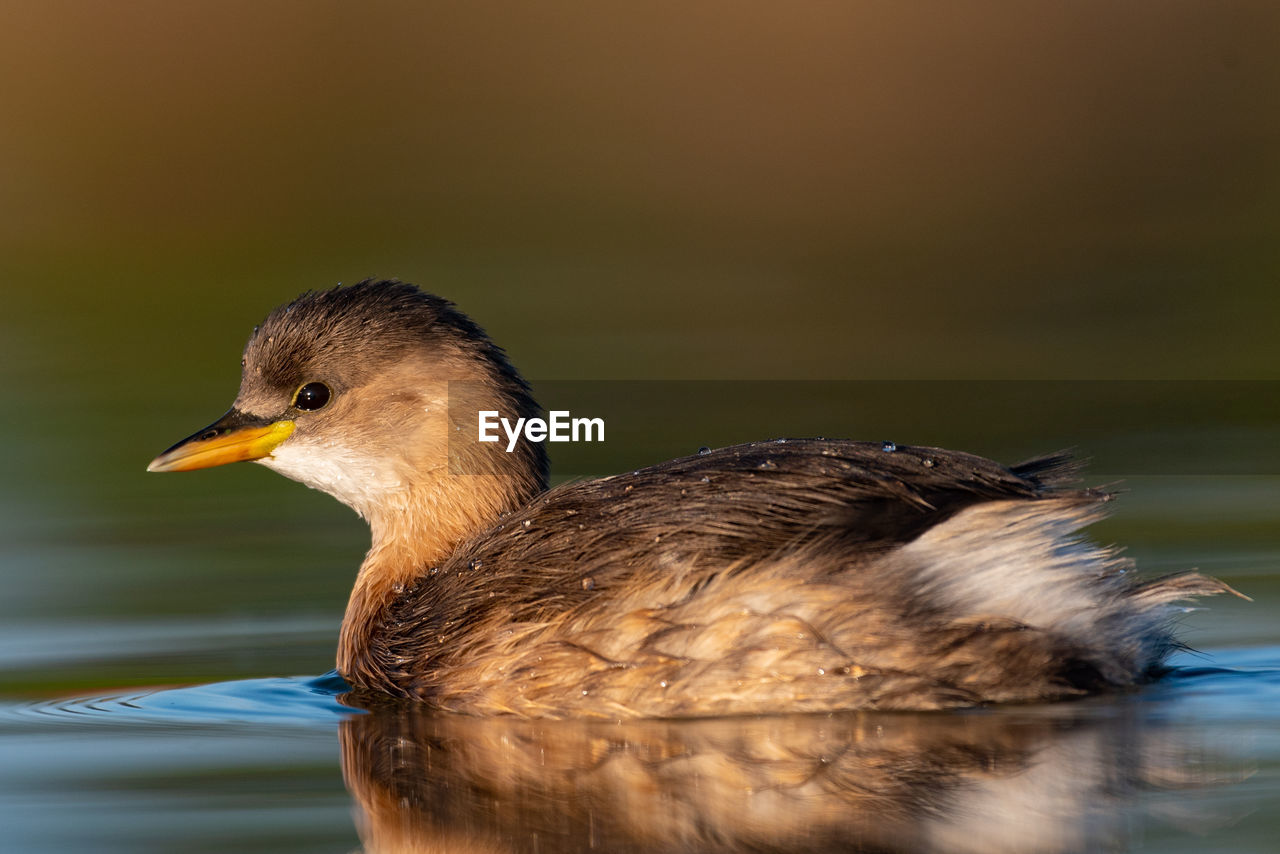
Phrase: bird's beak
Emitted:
{"points": [[234, 437]]}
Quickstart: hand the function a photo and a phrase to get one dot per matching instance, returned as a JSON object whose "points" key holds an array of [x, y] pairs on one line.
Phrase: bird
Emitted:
{"points": [[779, 576]]}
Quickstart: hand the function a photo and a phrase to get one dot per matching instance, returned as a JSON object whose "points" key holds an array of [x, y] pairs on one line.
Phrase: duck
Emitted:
{"points": [[779, 576]]}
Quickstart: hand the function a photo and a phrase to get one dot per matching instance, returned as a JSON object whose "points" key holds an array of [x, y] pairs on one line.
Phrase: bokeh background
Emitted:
{"points": [[1007, 227], [955, 193]]}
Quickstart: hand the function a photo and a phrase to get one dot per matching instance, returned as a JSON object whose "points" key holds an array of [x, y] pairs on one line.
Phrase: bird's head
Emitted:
{"points": [[370, 392]]}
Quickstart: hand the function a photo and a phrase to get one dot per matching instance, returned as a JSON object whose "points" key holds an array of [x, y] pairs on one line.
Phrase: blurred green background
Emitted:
{"points": [[663, 191]]}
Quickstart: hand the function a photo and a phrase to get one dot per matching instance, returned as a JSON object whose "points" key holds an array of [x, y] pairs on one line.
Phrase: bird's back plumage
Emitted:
{"points": [[802, 575]]}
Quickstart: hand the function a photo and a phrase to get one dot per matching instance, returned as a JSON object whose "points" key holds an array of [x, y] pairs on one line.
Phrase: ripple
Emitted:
{"points": [[292, 701]]}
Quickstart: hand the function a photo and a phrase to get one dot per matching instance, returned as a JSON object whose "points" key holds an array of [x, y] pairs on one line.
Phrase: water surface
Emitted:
{"points": [[255, 765]]}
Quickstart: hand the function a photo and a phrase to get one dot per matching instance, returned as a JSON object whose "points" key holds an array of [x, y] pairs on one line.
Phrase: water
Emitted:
{"points": [[259, 765], [852, 211], [230, 766]]}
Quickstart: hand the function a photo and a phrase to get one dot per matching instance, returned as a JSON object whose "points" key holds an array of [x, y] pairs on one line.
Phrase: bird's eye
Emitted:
{"points": [[312, 396]]}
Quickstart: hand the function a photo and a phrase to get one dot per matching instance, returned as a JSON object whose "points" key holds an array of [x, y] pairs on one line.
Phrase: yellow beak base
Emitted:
{"points": [[233, 438]]}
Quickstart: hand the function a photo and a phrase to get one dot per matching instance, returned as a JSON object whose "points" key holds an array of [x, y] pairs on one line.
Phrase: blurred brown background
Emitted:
{"points": [[735, 189]]}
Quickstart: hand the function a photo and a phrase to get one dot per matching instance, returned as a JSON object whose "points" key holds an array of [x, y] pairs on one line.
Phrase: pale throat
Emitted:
{"points": [[417, 511]]}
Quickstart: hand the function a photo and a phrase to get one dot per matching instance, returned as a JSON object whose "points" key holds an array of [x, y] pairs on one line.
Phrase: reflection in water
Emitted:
{"points": [[1031, 779]]}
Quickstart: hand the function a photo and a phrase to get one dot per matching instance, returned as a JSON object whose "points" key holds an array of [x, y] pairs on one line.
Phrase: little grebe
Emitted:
{"points": [[786, 576]]}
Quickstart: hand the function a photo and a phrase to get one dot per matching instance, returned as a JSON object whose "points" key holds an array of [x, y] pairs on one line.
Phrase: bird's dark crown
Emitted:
{"points": [[362, 327]]}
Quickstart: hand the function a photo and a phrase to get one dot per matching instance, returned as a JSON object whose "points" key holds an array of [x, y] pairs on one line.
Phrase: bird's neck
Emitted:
{"points": [[413, 532], [431, 486]]}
